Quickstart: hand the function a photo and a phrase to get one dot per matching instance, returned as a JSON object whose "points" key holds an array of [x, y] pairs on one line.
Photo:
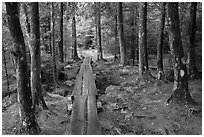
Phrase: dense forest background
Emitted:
{"points": [[85, 25], [110, 32]]}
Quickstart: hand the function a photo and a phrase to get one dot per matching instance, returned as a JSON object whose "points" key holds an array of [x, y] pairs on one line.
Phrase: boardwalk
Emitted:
{"points": [[84, 120]]}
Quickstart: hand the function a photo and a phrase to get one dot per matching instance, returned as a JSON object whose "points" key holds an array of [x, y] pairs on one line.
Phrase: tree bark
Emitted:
{"points": [[35, 51], [160, 43], [26, 112], [50, 29], [192, 32], [98, 26], [143, 60], [27, 25], [96, 38], [61, 54], [116, 31], [50, 44], [133, 34], [13, 62], [53, 44], [121, 35], [74, 38], [5, 67], [180, 91]]}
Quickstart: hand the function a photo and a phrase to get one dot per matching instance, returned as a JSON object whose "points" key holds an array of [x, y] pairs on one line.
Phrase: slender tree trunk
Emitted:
{"points": [[61, 34], [145, 36], [137, 31], [27, 25], [74, 38], [116, 31], [35, 52], [160, 43], [27, 117], [116, 36], [180, 92], [53, 45], [121, 35], [96, 39], [191, 50], [65, 53], [5, 67], [50, 29], [50, 45], [98, 26], [143, 61], [133, 35]]}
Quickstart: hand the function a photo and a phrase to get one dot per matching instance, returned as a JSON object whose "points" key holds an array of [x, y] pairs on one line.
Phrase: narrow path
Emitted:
{"points": [[84, 119]]}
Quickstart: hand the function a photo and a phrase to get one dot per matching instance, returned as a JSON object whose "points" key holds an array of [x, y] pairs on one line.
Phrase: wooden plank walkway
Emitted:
{"points": [[84, 119]]}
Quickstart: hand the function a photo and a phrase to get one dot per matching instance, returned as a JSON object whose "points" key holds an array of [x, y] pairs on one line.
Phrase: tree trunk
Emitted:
{"points": [[35, 51], [143, 60], [137, 32], [191, 50], [13, 62], [50, 29], [96, 38], [65, 53], [180, 91], [74, 38], [50, 45], [53, 45], [98, 26], [61, 34], [121, 35], [27, 25], [133, 34], [26, 112], [5, 67], [116, 31], [160, 43]]}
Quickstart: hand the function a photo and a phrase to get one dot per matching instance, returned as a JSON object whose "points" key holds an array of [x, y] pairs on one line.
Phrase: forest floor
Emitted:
{"points": [[129, 107]]}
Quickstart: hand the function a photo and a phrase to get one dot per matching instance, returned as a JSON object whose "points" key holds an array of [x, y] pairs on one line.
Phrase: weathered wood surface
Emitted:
{"points": [[77, 118], [84, 119], [93, 126]]}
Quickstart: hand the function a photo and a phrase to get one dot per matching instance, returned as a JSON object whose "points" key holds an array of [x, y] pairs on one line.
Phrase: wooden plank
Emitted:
{"points": [[88, 79], [91, 78], [85, 77], [77, 87], [93, 126], [92, 85], [77, 117], [85, 83], [85, 89], [78, 82]]}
